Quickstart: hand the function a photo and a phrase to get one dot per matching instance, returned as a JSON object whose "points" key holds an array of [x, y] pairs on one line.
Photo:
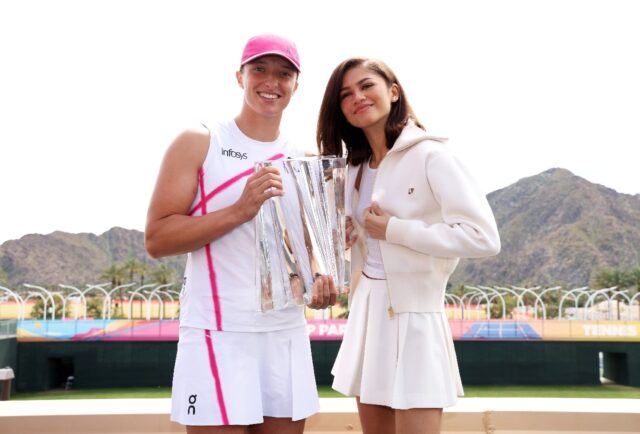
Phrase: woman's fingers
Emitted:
{"points": [[324, 293], [351, 235]]}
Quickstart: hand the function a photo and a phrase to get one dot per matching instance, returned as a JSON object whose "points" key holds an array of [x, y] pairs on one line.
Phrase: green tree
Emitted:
{"points": [[115, 274], [510, 302], [4, 278], [551, 300], [343, 300], [458, 290], [610, 277], [162, 274], [634, 279], [37, 312], [134, 267], [613, 277], [94, 307]]}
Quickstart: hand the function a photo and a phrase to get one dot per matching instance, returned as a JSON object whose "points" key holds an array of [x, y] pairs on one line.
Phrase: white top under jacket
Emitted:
{"points": [[439, 215]]}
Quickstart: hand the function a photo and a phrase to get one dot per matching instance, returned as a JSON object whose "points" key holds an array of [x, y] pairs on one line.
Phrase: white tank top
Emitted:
{"points": [[220, 289], [373, 266]]}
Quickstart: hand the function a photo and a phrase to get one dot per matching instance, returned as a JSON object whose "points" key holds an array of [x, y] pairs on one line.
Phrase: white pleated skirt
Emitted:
{"points": [[238, 378], [403, 362]]}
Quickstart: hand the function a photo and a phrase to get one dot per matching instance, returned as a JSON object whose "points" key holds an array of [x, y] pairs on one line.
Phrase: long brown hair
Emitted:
{"points": [[334, 129]]}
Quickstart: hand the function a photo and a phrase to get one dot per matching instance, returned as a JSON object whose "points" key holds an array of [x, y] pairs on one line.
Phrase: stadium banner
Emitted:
{"points": [[333, 330]]}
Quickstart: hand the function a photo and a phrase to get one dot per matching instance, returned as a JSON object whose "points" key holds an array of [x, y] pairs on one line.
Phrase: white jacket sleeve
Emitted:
{"points": [[468, 228]]}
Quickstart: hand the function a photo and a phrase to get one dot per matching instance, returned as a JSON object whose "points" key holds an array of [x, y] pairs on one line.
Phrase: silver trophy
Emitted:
{"points": [[301, 235]]}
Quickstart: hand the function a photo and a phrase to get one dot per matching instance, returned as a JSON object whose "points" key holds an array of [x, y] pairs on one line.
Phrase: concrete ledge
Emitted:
{"points": [[337, 415]]}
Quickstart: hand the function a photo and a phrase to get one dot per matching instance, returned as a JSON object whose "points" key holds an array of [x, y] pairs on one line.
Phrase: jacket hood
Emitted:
{"points": [[412, 134]]}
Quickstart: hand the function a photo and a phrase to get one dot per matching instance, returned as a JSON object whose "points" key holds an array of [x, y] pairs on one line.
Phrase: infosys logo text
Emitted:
{"points": [[234, 154]]}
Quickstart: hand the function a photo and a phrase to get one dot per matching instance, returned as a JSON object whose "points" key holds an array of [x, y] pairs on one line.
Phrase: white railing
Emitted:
{"points": [[467, 303]]}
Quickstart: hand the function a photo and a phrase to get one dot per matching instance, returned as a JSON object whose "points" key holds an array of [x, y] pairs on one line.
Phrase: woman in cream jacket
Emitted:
{"points": [[413, 211]]}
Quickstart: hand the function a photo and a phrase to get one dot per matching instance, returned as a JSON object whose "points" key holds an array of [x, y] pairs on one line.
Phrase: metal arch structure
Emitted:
{"points": [[594, 295], [587, 293], [633, 299], [502, 300], [177, 295], [114, 289], [504, 307], [580, 290], [457, 303], [49, 296], [537, 299], [467, 294], [542, 293], [478, 293], [158, 290], [485, 290], [153, 294], [107, 298], [81, 294], [519, 301], [622, 293], [19, 300], [520, 305], [138, 291], [171, 300], [174, 292], [64, 303], [520, 288], [44, 300], [472, 298], [467, 308], [448, 300]]}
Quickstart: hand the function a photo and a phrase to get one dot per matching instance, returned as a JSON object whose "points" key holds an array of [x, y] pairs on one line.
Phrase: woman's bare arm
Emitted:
{"points": [[170, 230]]}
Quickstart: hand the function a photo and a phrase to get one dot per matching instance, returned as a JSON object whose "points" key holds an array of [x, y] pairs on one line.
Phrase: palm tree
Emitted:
{"points": [[610, 277], [4, 278], [613, 277], [94, 307], [38, 310], [133, 267], [116, 274], [163, 274], [634, 278]]}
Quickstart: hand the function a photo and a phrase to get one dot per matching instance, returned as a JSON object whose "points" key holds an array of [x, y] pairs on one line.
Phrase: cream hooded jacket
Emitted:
{"points": [[438, 216]]}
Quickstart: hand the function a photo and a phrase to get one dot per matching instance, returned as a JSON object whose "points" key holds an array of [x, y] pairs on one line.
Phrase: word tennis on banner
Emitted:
{"points": [[333, 330]]}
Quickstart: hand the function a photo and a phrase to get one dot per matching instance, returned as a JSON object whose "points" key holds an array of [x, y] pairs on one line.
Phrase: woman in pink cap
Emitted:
{"points": [[237, 370], [415, 211]]}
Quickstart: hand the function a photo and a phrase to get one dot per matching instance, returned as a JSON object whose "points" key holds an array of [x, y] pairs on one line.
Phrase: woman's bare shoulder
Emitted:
{"points": [[190, 145]]}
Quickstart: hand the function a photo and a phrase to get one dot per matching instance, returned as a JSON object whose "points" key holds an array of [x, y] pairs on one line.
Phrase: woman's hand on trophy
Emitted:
{"points": [[324, 292], [351, 233], [262, 185], [376, 221]]}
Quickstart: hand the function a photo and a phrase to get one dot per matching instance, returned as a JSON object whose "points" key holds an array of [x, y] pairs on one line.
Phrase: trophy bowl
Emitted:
{"points": [[301, 235]]}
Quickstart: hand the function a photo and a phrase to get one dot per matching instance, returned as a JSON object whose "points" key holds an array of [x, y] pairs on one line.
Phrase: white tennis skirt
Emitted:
{"points": [[237, 378], [405, 362]]}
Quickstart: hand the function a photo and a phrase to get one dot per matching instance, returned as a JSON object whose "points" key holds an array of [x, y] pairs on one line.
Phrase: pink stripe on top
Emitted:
{"points": [[214, 288], [202, 205], [212, 271], [216, 377]]}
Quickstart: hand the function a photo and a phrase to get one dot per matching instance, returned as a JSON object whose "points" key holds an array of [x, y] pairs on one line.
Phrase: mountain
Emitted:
{"points": [[557, 228], [75, 259]]}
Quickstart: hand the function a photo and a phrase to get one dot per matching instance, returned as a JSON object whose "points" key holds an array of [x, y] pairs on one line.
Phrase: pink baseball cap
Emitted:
{"points": [[263, 45]]}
